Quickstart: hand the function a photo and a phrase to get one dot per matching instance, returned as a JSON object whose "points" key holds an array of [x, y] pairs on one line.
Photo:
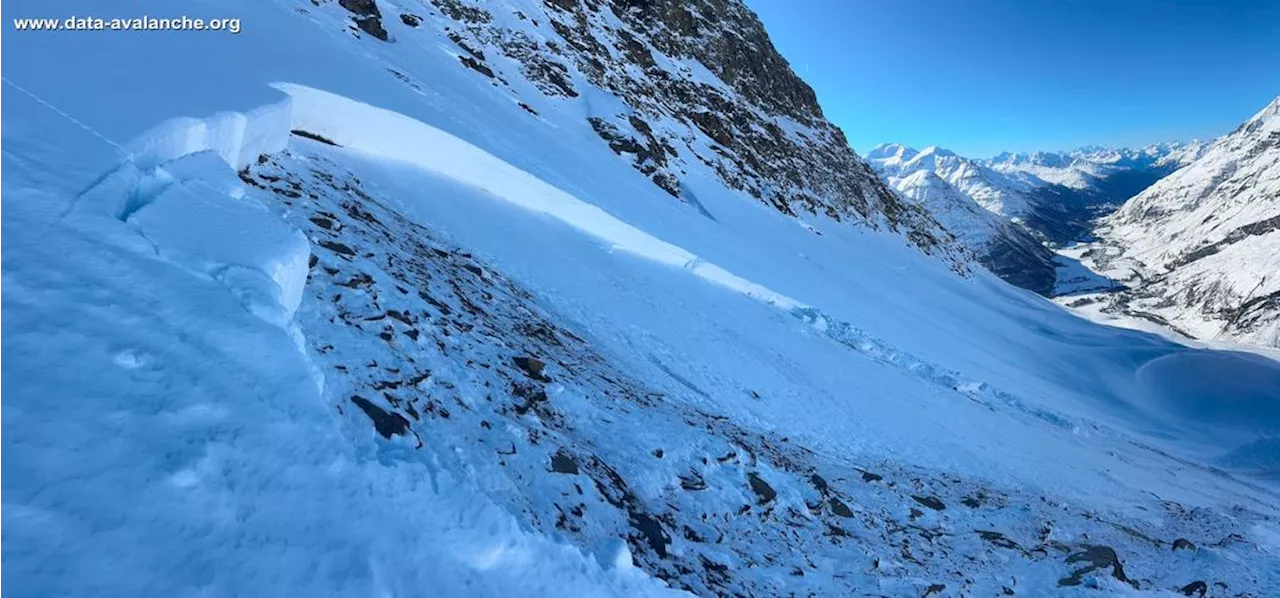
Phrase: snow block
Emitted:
{"points": [[237, 137], [231, 237]]}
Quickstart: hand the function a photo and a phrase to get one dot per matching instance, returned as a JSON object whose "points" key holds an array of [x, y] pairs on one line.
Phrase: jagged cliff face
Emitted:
{"points": [[1201, 248], [701, 87]]}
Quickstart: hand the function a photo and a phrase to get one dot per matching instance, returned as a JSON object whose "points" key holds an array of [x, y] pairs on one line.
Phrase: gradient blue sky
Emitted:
{"points": [[983, 76]]}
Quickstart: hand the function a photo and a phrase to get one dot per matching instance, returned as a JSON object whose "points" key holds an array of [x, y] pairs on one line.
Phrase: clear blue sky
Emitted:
{"points": [[983, 76]]}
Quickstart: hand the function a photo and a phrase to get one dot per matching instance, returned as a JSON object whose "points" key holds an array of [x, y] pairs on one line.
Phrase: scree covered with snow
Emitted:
{"points": [[362, 301]]}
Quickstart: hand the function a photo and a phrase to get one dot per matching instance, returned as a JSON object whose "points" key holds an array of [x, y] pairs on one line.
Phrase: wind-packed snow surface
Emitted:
{"points": [[302, 311]]}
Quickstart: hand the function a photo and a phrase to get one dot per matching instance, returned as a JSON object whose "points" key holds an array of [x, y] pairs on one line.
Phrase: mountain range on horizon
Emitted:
{"points": [[1053, 198], [1104, 207]]}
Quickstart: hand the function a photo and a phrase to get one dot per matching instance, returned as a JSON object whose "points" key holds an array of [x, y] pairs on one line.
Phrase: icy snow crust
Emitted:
{"points": [[186, 343]]}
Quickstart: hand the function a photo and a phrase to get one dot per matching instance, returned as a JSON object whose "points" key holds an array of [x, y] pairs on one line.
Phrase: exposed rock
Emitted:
{"points": [[693, 481], [999, 539], [1094, 558], [932, 502], [763, 490], [651, 530], [1195, 588], [1183, 544], [410, 19], [562, 462], [460, 11], [386, 423], [532, 367], [367, 16], [839, 508], [314, 137], [336, 247], [476, 66]]}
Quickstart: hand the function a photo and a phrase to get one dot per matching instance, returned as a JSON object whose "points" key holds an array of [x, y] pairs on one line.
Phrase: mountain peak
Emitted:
{"points": [[1268, 117], [890, 150], [938, 151]]}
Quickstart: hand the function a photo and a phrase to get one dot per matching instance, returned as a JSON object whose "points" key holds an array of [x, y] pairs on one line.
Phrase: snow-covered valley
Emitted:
{"points": [[303, 311], [1014, 210], [1200, 250]]}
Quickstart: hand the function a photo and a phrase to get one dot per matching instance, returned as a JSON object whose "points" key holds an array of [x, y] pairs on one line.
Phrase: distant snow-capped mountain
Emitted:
{"points": [[1106, 177], [1201, 248], [1090, 167], [1004, 194], [1002, 246], [1052, 198]]}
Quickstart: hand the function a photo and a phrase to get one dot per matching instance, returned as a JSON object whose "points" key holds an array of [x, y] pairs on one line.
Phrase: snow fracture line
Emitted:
{"points": [[63, 114]]}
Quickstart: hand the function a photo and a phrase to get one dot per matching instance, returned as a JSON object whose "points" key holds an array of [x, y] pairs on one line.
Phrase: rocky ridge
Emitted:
{"points": [[700, 85]]}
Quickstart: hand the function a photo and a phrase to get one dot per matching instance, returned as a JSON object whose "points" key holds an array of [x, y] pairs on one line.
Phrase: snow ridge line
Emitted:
{"points": [[394, 136], [881, 352]]}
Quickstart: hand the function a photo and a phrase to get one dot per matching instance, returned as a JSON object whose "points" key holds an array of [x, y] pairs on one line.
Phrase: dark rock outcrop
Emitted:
{"points": [[723, 97], [1094, 558], [367, 17]]}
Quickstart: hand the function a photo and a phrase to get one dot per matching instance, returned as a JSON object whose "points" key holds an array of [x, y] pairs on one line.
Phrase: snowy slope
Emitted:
{"points": [[1201, 248], [512, 363]]}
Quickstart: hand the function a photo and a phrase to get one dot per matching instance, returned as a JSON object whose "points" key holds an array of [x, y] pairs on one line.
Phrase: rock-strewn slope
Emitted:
{"points": [[441, 357]]}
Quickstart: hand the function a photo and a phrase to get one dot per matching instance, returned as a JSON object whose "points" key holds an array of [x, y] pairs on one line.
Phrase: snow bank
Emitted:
{"points": [[391, 135], [237, 137], [178, 189], [220, 232]]}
